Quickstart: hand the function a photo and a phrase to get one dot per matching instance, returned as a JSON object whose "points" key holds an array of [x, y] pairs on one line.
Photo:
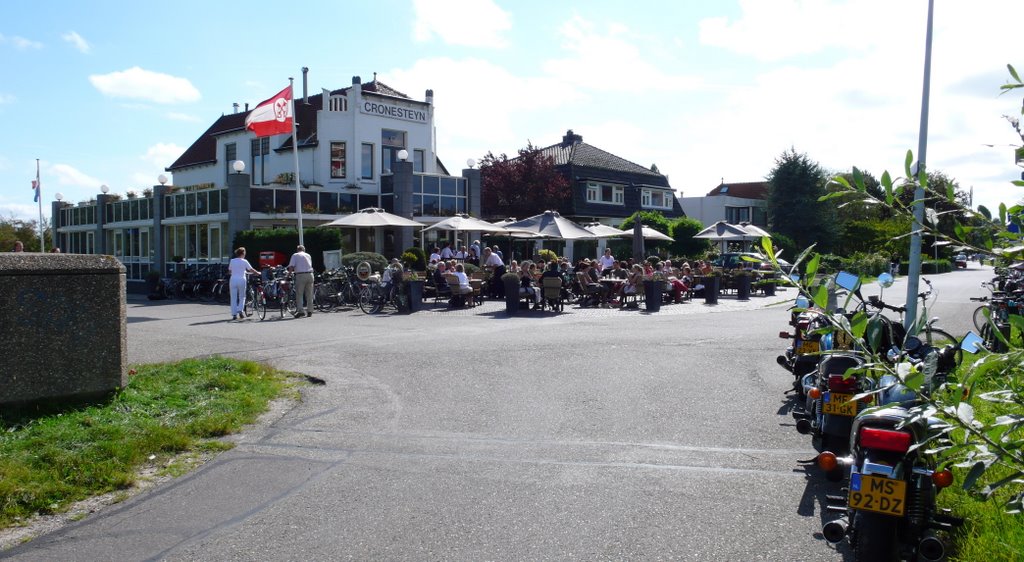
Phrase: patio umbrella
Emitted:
{"points": [[754, 231], [552, 225], [722, 230], [465, 222], [371, 217], [651, 234], [604, 231]]}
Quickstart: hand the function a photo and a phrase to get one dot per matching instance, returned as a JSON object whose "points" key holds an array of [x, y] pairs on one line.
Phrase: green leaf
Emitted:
{"points": [[858, 324], [833, 195], [887, 184], [858, 180], [1013, 72], [976, 471], [950, 193], [821, 296], [965, 412], [766, 245], [907, 163], [985, 212], [959, 230], [812, 267], [1018, 183], [914, 380], [1002, 214], [842, 181]]}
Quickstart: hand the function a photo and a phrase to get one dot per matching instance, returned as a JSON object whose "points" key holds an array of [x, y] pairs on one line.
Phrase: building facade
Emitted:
{"points": [[349, 147], [731, 202]]}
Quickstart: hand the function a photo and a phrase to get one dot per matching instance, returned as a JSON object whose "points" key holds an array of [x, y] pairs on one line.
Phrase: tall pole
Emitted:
{"points": [[913, 274], [39, 199], [295, 153]]}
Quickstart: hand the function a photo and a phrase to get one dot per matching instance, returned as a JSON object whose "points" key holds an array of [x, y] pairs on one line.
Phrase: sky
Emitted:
{"points": [[112, 92]]}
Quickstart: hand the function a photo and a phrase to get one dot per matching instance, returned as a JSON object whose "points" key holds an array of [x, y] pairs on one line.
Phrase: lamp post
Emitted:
{"points": [[104, 189], [238, 166]]}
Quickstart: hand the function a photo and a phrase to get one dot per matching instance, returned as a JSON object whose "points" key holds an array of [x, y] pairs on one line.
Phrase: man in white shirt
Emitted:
{"points": [[301, 265], [607, 260], [447, 253]]}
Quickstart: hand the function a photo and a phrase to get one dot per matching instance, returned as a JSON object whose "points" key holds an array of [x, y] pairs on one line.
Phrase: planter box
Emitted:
{"points": [[652, 295]]}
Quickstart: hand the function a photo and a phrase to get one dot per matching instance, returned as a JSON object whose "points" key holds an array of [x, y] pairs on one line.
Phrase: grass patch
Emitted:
{"points": [[50, 461]]}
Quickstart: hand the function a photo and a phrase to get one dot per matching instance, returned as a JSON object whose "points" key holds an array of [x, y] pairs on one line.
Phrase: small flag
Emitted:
{"points": [[35, 188], [273, 116]]}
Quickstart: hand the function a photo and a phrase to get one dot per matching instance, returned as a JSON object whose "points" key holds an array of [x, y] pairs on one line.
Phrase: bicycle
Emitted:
{"points": [[255, 300], [376, 295]]}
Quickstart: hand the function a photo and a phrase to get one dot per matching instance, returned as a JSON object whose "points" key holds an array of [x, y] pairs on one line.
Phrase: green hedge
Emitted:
{"points": [[929, 267], [284, 240], [377, 261]]}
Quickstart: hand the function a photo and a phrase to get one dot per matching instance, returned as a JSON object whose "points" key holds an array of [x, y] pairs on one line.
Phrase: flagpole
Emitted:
{"points": [[39, 199], [295, 153]]}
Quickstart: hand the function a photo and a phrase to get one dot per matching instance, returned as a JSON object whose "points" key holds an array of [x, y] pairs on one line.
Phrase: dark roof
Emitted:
{"points": [[572, 150], [204, 149], [746, 190]]}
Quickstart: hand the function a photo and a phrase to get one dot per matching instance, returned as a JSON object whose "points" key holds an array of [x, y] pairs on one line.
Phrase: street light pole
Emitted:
{"points": [[914, 273]]}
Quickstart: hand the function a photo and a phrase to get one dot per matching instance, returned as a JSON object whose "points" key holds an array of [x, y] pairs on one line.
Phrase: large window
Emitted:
{"points": [[656, 199], [230, 155], [605, 193], [736, 215], [391, 142], [366, 162], [258, 162], [417, 160], [338, 160]]}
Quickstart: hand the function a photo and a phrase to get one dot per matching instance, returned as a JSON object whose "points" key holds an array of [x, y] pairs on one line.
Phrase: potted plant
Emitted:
{"points": [[742, 279], [153, 280], [414, 289], [653, 289], [510, 281]]}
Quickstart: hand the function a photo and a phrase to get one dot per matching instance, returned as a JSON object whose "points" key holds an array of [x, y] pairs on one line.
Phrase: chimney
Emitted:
{"points": [[571, 138], [235, 105], [247, 106], [430, 97], [305, 85], [356, 80]]}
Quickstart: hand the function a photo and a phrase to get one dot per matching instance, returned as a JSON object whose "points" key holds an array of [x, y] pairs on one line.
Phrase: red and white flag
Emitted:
{"points": [[273, 116]]}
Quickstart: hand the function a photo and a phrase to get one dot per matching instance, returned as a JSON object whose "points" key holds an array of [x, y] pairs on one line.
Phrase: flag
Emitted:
{"points": [[273, 116], [35, 188]]}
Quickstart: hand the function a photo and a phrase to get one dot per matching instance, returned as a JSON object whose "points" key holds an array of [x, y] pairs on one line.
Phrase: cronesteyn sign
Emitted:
{"points": [[388, 110]]}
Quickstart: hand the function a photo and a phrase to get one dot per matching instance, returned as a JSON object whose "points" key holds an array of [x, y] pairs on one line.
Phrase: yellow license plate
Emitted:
{"points": [[838, 404], [808, 347], [877, 493]]}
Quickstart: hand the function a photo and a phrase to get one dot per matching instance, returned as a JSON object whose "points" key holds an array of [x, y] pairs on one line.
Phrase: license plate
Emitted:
{"points": [[877, 493], [808, 347], [838, 404]]}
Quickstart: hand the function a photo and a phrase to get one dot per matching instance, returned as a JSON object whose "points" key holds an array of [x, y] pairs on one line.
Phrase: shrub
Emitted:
{"points": [[653, 260], [415, 258], [547, 255], [284, 240], [377, 261], [470, 268]]}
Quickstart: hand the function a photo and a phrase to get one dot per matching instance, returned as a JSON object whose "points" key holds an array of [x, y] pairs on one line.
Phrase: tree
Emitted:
{"points": [[12, 229], [523, 186], [653, 219], [683, 230], [794, 210]]}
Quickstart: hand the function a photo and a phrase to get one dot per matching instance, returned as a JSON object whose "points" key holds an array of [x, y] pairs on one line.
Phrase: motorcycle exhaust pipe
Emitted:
{"points": [[781, 360], [931, 548], [835, 530], [803, 426]]}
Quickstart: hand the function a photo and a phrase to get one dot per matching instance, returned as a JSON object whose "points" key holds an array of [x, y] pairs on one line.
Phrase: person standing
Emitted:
{"points": [[606, 261], [301, 265], [238, 267]]}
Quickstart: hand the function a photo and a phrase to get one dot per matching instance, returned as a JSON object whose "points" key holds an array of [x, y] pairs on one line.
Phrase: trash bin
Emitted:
{"points": [[711, 284], [415, 292], [743, 287], [510, 282], [652, 295]]}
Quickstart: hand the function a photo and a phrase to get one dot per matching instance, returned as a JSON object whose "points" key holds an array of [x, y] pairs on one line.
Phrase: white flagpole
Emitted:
{"points": [[39, 196], [295, 153]]}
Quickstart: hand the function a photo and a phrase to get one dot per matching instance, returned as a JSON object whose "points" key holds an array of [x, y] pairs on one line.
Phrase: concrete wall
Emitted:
{"points": [[63, 326]]}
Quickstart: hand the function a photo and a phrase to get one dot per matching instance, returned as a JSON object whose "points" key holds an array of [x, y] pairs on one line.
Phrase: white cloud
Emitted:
{"points": [[137, 83], [77, 41], [470, 23], [161, 155], [72, 177], [21, 43], [174, 116], [609, 61]]}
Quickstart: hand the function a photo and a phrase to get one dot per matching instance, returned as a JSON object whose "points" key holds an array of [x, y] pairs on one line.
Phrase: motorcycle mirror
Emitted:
{"points": [[893, 354], [972, 343], [794, 277], [885, 280], [802, 302], [847, 280]]}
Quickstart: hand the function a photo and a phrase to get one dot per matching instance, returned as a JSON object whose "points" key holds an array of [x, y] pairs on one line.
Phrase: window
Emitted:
{"points": [[338, 160], [391, 142], [417, 160], [736, 215], [656, 199], [230, 155], [605, 193], [366, 163], [260, 149]]}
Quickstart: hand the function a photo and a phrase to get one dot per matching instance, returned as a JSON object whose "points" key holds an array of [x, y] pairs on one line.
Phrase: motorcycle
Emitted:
{"points": [[803, 354], [889, 510]]}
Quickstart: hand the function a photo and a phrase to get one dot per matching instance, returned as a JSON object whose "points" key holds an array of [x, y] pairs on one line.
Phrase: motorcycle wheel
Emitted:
{"points": [[875, 539]]}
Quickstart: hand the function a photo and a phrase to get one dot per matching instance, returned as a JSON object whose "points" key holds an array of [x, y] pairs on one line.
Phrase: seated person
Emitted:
{"points": [[587, 277], [527, 288], [633, 284], [460, 286], [435, 256], [439, 272], [620, 270]]}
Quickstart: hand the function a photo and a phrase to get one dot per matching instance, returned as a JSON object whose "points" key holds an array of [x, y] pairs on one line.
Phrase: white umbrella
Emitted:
{"points": [[371, 217], [722, 230], [552, 225], [514, 232], [754, 231], [465, 222], [604, 231], [651, 234]]}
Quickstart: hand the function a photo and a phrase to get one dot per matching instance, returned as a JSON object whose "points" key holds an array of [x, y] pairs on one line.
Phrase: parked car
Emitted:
{"points": [[960, 261]]}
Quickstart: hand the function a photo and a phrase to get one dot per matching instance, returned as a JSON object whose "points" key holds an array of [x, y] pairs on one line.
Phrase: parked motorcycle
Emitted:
{"points": [[889, 510], [803, 354]]}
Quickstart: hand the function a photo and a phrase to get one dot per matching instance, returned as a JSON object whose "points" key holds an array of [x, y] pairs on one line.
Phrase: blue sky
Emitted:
{"points": [[107, 92]]}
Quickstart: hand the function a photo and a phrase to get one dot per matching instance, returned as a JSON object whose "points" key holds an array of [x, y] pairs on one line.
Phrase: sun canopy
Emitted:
{"points": [[604, 231], [372, 218], [722, 230], [465, 222], [552, 225]]}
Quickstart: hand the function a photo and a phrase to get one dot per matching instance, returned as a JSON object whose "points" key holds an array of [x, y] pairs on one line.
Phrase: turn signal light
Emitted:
{"points": [[814, 393], [867, 399], [942, 478], [828, 462]]}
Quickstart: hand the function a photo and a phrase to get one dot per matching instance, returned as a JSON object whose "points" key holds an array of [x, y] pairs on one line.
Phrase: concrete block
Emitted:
{"points": [[62, 327]]}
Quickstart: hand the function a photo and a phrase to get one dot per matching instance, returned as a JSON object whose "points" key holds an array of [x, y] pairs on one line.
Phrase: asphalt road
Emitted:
{"points": [[594, 434]]}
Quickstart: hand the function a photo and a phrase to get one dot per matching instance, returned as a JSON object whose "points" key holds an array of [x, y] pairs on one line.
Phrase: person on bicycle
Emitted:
{"points": [[238, 267], [301, 265]]}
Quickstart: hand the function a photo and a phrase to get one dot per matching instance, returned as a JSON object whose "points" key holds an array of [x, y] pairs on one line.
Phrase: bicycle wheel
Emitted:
{"points": [[323, 300], [247, 306], [938, 336], [366, 299], [259, 305], [979, 317]]}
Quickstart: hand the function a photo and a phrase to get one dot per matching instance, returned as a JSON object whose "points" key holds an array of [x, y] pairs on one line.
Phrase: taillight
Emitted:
{"points": [[942, 478], [836, 383], [814, 393], [884, 440]]}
